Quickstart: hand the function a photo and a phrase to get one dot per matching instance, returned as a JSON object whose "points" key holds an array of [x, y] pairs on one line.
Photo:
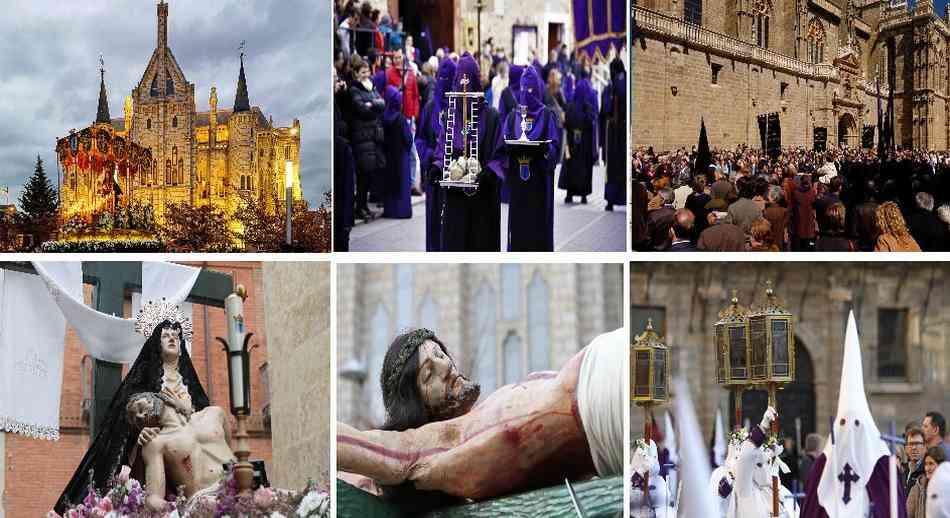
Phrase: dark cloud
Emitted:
{"points": [[49, 58]]}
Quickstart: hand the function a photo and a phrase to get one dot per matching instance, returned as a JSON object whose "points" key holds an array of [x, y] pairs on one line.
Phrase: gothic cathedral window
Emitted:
{"points": [[761, 11], [181, 171], [816, 41], [168, 172], [153, 91], [148, 124], [175, 121], [171, 177]]}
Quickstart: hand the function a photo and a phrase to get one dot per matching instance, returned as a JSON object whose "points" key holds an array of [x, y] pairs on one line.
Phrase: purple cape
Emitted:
{"points": [[393, 104], [877, 488]]}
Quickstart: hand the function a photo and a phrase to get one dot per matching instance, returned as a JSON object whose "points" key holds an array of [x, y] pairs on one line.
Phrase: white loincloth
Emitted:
{"points": [[601, 394]]}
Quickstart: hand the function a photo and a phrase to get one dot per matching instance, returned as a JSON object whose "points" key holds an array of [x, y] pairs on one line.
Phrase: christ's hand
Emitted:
{"points": [[146, 435]]}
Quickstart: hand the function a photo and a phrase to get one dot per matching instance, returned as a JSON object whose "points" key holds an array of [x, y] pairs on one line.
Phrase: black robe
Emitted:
{"points": [[531, 209], [577, 171], [472, 222]]}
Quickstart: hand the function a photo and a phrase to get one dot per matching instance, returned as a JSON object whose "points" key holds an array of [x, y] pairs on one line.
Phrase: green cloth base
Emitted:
{"points": [[599, 498]]}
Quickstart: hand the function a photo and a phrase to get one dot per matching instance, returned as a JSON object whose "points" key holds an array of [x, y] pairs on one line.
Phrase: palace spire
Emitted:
{"points": [[241, 102], [102, 114]]}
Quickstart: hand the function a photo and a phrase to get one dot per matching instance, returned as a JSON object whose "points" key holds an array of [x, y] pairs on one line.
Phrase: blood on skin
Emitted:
{"points": [[386, 452]]}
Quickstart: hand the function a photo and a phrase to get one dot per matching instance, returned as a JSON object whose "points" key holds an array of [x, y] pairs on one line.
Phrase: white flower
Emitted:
{"points": [[313, 501], [275, 514]]}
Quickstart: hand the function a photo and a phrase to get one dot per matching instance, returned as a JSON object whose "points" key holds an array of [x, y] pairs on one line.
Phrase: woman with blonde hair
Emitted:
{"points": [[893, 235]]}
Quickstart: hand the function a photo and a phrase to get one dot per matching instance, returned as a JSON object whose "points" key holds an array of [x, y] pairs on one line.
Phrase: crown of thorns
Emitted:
{"points": [[410, 345], [154, 313]]}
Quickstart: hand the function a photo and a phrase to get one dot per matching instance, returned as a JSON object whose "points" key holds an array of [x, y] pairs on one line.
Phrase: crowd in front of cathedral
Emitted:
{"points": [[391, 136], [744, 199]]}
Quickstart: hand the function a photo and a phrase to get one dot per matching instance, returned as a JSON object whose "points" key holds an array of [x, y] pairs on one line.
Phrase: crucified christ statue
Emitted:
{"points": [[535, 433]]}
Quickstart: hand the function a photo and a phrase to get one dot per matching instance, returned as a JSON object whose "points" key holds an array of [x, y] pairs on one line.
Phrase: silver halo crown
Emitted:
{"points": [[154, 313]]}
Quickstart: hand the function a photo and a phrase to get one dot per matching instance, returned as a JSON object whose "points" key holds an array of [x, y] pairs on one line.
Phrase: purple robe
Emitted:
{"points": [[530, 171], [472, 221], [614, 111], [877, 488], [428, 133], [508, 102], [397, 201]]}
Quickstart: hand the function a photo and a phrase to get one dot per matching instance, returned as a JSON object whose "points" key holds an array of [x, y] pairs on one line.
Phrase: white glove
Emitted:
{"points": [[767, 418]]}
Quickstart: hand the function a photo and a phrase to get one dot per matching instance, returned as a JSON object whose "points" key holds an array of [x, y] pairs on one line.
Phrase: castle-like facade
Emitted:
{"points": [[165, 151], [823, 66]]}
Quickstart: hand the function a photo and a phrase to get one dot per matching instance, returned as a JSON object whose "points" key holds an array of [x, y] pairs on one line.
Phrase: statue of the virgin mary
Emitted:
{"points": [[163, 365]]}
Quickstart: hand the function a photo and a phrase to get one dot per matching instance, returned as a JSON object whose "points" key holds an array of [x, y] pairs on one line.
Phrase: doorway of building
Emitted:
{"points": [[847, 131], [436, 18], [555, 36]]}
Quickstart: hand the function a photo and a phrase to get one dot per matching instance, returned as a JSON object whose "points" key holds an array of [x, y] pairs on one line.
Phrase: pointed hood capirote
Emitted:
{"points": [[855, 445]]}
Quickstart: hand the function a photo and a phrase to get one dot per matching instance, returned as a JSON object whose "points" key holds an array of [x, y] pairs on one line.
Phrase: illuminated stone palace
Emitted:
{"points": [[165, 151]]}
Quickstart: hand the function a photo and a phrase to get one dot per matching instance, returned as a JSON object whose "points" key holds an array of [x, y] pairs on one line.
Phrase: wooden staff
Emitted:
{"points": [[773, 404]]}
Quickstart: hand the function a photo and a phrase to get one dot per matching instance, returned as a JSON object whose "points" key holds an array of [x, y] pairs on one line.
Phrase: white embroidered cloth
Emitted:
{"points": [[32, 337]]}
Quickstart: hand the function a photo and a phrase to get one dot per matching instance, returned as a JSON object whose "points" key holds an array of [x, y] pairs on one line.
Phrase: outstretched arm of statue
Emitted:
{"points": [[387, 457], [154, 476]]}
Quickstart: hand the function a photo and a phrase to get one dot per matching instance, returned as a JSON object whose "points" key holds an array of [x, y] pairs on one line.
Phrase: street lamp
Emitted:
{"points": [[289, 193], [239, 382]]}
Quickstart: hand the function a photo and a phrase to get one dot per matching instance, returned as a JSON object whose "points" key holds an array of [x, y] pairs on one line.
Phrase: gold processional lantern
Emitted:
{"points": [[755, 348], [772, 337], [651, 372], [733, 351], [651, 376]]}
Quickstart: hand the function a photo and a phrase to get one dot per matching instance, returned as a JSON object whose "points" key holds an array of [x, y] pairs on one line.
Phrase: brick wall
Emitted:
{"points": [[37, 471]]}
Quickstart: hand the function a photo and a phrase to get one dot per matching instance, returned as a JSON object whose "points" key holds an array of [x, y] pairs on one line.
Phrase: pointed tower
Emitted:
{"points": [[241, 102], [242, 128], [102, 114], [163, 122]]}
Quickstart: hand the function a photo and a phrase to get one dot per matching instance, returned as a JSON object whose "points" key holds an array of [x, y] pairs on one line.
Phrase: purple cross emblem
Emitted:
{"points": [[848, 477]]}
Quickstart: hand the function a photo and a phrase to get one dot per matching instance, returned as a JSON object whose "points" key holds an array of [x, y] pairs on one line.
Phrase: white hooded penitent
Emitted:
{"points": [[855, 444]]}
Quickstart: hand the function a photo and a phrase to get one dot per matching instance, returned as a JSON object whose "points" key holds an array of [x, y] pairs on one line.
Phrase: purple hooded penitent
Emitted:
{"points": [[532, 97], [393, 104]]}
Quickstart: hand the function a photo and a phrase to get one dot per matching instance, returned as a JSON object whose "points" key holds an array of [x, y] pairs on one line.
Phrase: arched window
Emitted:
{"points": [[428, 311], [816, 41], [153, 90], [148, 124], [761, 12], [486, 355], [175, 121], [539, 346], [403, 284], [181, 171], [510, 291], [168, 172], [172, 177], [169, 84], [513, 353], [376, 352]]}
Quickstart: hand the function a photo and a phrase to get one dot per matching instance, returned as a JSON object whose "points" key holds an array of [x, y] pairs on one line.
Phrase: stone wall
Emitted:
{"points": [[819, 295], [297, 300]]}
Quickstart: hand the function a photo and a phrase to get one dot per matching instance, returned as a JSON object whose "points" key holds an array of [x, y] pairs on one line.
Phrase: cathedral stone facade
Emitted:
{"points": [[197, 157], [903, 316], [822, 65], [499, 322]]}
